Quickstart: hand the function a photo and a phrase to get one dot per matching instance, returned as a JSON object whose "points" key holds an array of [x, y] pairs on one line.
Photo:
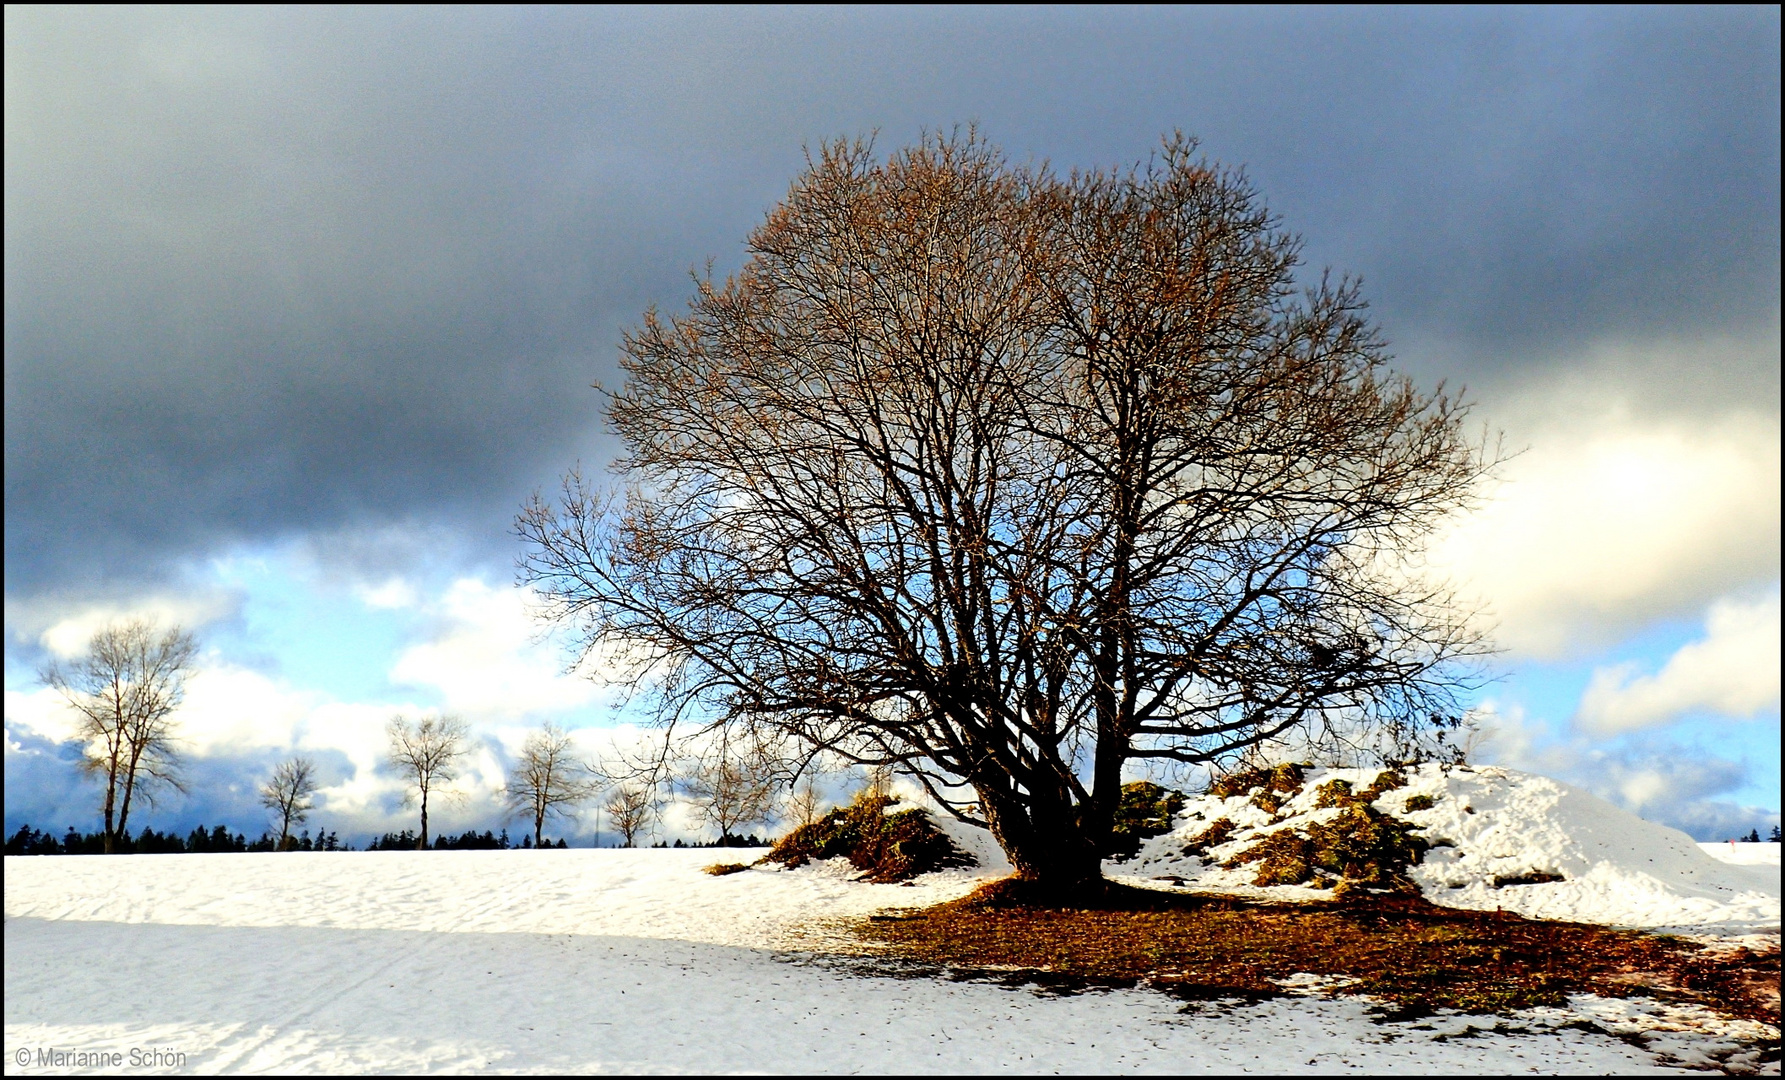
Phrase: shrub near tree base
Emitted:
{"points": [[886, 847], [1146, 811]]}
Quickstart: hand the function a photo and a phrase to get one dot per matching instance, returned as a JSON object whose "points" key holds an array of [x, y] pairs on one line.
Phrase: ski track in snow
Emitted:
{"points": [[635, 961]]}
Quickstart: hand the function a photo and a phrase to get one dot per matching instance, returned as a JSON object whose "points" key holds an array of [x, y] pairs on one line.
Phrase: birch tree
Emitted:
{"points": [[547, 779], [125, 688], [427, 753], [289, 794]]}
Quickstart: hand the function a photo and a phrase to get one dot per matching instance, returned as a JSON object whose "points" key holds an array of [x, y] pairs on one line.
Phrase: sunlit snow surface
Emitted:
{"points": [[635, 961]]}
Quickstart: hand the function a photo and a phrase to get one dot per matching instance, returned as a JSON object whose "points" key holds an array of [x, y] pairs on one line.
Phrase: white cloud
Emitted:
{"points": [[394, 594], [66, 634], [42, 711], [1733, 670], [486, 660], [1610, 521], [1679, 786]]}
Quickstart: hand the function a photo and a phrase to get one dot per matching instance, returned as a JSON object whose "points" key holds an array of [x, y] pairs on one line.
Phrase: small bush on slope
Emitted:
{"points": [[1359, 849], [1146, 811], [1285, 778], [886, 847]]}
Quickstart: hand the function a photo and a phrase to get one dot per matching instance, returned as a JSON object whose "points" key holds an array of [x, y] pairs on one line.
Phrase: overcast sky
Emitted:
{"points": [[301, 304]]}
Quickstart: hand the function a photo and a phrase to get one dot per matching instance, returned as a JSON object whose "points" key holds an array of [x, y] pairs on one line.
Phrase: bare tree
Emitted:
{"points": [[1008, 479], [548, 779], [427, 752], [125, 688], [629, 808], [804, 800], [732, 792], [289, 794]]}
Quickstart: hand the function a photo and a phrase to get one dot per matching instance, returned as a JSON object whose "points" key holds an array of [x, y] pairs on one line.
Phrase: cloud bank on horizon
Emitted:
{"points": [[301, 304]]}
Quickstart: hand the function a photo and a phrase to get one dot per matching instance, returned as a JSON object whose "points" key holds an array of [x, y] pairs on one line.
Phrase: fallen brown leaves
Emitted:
{"points": [[1400, 949]]}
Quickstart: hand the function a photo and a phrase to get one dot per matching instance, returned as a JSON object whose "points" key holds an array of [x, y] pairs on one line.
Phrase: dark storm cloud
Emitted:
{"points": [[273, 272]]}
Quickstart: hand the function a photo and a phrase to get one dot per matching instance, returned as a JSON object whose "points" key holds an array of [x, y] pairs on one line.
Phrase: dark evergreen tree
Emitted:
{"points": [[28, 841]]}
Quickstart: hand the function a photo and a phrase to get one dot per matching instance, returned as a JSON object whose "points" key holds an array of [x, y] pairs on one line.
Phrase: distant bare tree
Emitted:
{"points": [[289, 794], [125, 688], [804, 801], [629, 808], [548, 779], [731, 792], [427, 752]]}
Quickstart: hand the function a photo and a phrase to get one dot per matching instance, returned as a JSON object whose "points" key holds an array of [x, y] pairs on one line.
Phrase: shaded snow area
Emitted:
{"points": [[1497, 834], [636, 961]]}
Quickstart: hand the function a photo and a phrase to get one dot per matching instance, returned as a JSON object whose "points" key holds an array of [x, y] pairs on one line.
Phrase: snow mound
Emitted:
{"points": [[1501, 839]]}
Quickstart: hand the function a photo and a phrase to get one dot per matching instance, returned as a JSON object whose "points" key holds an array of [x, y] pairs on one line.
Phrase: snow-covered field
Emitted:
{"points": [[635, 961]]}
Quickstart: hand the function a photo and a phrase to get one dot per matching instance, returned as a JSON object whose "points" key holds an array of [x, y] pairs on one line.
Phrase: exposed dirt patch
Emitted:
{"points": [[1402, 950]]}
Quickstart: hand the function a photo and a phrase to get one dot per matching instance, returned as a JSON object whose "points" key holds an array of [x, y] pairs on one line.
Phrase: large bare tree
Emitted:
{"points": [[1009, 480], [289, 793], [547, 779], [125, 688], [427, 752]]}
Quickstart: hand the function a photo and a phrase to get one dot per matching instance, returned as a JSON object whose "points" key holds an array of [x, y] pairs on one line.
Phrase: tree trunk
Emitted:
{"points": [[423, 843], [538, 827], [124, 804], [1046, 844], [111, 788]]}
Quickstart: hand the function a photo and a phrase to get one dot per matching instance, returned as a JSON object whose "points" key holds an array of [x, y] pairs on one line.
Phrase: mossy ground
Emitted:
{"points": [[1359, 849], [1402, 950]]}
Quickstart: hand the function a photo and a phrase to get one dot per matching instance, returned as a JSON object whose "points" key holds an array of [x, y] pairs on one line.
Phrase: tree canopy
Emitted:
{"points": [[1011, 480]]}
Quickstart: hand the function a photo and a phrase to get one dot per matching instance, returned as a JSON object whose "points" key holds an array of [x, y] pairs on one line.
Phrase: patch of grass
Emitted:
{"points": [[1419, 802], [1403, 950], [720, 869], [885, 847], [1285, 778], [1359, 849], [1339, 793], [1215, 835]]}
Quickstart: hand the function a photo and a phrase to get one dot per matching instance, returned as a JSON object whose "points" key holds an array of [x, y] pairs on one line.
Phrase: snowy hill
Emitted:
{"points": [[1500, 839]]}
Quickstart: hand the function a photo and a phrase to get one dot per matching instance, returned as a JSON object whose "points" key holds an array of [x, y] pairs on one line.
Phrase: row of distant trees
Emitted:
{"points": [[127, 685], [29, 841], [549, 780]]}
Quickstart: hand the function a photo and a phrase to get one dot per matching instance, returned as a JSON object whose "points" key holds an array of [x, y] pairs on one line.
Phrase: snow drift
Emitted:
{"points": [[1500, 839]]}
